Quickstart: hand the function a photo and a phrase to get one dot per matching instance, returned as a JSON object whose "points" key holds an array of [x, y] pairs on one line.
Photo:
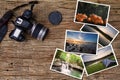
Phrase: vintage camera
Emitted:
{"points": [[24, 24]]}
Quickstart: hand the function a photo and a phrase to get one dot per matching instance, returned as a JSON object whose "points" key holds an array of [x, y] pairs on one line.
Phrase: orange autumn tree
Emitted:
{"points": [[81, 17], [95, 19]]}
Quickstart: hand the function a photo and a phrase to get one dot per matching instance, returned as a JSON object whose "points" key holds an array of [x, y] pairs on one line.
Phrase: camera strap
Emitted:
{"points": [[7, 16]]}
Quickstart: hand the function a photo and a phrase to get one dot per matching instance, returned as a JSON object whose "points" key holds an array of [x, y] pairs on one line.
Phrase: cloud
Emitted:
{"points": [[80, 37]]}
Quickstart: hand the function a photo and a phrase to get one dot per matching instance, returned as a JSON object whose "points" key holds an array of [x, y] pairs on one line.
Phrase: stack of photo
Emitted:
{"points": [[88, 50]]}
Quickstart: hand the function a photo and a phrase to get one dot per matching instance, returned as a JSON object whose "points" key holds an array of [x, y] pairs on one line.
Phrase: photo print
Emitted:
{"points": [[81, 42], [91, 13], [106, 34], [105, 59], [68, 64]]}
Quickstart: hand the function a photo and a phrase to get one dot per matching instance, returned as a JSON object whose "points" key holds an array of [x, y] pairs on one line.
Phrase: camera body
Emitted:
{"points": [[23, 24]]}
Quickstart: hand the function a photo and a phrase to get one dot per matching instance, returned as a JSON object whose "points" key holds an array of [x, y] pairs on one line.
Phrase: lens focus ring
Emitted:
{"points": [[39, 31]]}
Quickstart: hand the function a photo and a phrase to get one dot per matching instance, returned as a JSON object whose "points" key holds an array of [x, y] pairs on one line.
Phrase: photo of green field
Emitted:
{"points": [[67, 63], [105, 59]]}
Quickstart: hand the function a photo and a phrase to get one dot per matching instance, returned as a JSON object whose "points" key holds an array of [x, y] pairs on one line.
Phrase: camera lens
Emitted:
{"points": [[39, 32]]}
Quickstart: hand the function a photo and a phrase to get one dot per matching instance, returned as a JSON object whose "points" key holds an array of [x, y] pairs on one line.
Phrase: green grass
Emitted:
{"points": [[95, 67], [112, 57], [76, 73]]}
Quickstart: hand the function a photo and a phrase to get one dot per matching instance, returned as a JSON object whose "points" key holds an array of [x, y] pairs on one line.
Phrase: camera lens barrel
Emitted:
{"points": [[38, 31]]}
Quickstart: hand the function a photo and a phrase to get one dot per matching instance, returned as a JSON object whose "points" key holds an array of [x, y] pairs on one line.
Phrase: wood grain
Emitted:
{"points": [[30, 60]]}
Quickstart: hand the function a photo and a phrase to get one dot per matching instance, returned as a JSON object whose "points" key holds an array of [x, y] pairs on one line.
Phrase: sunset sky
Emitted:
{"points": [[86, 37]]}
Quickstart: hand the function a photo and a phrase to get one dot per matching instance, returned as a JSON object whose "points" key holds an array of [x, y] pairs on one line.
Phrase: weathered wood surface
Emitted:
{"points": [[31, 60]]}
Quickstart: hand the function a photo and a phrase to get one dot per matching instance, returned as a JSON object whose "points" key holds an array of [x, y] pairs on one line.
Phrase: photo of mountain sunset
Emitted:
{"points": [[104, 59], [81, 42]]}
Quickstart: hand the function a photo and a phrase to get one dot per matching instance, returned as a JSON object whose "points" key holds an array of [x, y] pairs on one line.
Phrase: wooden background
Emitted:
{"points": [[30, 60]]}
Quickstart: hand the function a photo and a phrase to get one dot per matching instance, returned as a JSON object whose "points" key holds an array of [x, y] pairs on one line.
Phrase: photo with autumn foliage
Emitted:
{"points": [[92, 13], [81, 42]]}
